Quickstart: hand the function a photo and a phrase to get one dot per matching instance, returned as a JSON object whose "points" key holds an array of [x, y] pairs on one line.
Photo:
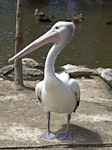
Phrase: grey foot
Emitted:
{"points": [[48, 135], [65, 136]]}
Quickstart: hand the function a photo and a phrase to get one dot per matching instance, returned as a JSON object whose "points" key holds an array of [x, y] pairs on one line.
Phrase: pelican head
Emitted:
{"points": [[61, 32], [64, 29]]}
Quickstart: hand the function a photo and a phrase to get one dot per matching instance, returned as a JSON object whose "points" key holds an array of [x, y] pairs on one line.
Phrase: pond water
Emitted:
{"points": [[92, 42]]}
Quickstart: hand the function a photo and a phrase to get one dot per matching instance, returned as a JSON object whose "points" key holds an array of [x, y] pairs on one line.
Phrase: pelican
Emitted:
{"points": [[58, 92]]}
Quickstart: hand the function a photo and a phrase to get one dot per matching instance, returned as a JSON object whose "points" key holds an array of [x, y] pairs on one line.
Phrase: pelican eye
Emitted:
{"points": [[56, 27]]}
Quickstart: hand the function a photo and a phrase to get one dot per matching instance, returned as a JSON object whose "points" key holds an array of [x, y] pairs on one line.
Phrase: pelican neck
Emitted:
{"points": [[50, 60]]}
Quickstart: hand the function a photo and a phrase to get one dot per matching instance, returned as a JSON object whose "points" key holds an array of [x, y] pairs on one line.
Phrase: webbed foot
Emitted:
{"points": [[65, 136], [48, 135]]}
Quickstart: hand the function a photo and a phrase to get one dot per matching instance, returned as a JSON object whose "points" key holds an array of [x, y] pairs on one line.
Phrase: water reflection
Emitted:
{"points": [[90, 46]]}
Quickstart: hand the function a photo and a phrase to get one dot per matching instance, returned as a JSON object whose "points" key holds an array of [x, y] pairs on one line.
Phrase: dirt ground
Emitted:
{"points": [[23, 119]]}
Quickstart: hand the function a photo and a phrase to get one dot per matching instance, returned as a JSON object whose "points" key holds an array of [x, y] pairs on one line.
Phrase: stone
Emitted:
{"points": [[31, 63], [7, 69], [106, 74], [77, 71], [32, 70]]}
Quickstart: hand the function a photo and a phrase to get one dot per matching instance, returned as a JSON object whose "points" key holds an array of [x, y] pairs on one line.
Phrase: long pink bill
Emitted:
{"points": [[49, 37]]}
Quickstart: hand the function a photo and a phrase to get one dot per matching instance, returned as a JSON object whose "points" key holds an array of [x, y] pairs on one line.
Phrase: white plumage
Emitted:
{"points": [[59, 95]]}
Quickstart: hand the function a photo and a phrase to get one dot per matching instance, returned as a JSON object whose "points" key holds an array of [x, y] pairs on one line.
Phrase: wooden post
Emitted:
{"points": [[19, 43]]}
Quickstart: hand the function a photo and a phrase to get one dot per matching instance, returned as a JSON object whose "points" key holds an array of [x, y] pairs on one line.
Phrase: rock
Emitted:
{"points": [[31, 70], [32, 74], [106, 74], [82, 71], [77, 71], [7, 69], [99, 71], [31, 63]]}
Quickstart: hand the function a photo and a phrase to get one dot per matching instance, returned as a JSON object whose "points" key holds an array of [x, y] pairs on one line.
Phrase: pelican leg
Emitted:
{"points": [[66, 135], [48, 134]]}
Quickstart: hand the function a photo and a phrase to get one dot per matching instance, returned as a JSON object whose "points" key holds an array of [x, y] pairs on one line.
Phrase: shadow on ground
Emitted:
{"points": [[82, 135]]}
